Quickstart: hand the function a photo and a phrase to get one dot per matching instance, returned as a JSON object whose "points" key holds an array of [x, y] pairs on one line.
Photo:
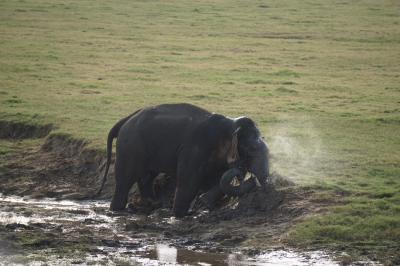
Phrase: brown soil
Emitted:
{"points": [[18, 130], [64, 168], [60, 168]]}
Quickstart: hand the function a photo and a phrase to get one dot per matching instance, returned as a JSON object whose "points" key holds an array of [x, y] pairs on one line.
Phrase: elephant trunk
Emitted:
{"points": [[259, 163], [235, 191]]}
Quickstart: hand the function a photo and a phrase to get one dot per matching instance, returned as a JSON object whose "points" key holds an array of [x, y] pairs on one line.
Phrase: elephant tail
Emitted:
{"points": [[111, 136]]}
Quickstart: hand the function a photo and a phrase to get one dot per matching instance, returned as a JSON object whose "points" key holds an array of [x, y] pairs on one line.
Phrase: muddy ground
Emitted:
{"points": [[65, 170]]}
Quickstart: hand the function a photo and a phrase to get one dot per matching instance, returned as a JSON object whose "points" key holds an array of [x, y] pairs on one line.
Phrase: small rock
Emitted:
{"points": [[14, 226], [92, 221], [132, 226], [77, 262], [110, 243], [168, 234]]}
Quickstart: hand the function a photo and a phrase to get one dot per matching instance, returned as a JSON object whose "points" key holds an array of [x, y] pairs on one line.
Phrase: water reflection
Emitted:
{"points": [[166, 253], [171, 255]]}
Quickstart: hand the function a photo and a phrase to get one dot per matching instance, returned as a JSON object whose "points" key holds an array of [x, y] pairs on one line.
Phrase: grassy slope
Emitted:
{"points": [[320, 77]]}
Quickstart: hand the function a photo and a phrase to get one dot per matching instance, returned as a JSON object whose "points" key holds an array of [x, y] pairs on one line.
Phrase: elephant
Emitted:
{"points": [[189, 143]]}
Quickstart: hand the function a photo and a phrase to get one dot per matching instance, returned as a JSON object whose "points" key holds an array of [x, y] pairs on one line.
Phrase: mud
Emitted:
{"points": [[65, 232], [70, 229], [61, 168]]}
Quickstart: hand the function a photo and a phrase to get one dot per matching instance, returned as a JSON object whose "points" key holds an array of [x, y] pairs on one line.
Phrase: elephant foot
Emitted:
{"points": [[118, 203], [117, 207], [180, 213]]}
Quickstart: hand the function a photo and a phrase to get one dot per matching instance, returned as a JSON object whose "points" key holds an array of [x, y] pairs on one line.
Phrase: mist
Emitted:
{"points": [[295, 148]]}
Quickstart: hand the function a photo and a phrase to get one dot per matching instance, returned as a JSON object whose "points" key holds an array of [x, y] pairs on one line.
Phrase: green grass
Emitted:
{"points": [[321, 78]]}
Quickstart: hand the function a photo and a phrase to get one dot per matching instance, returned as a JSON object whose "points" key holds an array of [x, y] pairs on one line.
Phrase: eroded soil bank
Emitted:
{"points": [[70, 228]]}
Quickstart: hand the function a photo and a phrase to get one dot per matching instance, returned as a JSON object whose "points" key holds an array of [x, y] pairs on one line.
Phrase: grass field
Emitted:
{"points": [[321, 78]]}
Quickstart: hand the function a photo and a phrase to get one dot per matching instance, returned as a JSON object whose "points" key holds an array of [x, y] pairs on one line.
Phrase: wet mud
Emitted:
{"points": [[53, 232], [47, 216]]}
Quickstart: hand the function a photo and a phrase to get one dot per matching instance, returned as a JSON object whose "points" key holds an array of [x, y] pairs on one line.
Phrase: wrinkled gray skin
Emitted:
{"points": [[188, 143]]}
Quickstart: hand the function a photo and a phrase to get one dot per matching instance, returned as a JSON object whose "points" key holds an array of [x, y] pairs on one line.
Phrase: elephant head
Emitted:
{"points": [[252, 156]]}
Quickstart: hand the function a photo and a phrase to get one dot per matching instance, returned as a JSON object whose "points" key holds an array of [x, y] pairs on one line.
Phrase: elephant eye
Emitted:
{"points": [[252, 146]]}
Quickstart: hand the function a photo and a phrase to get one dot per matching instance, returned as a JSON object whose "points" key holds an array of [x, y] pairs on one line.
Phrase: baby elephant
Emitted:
{"points": [[188, 143]]}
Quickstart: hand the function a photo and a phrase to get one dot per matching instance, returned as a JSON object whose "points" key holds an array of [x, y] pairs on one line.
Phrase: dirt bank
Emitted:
{"points": [[61, 167], [19, 130]]}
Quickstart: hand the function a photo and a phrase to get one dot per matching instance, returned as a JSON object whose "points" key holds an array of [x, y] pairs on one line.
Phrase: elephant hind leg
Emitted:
{"points": [[148, 198], [146, 186], [125, 177]]}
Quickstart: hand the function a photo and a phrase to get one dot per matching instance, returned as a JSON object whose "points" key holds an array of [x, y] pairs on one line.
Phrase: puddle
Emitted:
{"points": [[170, 255], [106, 241]]}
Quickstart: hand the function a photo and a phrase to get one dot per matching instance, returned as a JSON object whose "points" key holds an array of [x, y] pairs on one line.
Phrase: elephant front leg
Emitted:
{"points": [[146, 186], [147, 200], [185, 192], [182, 201]]}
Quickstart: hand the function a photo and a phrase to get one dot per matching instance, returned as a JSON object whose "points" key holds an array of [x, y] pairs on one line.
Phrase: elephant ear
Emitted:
{"points": [[233, 153], [217, 139]]}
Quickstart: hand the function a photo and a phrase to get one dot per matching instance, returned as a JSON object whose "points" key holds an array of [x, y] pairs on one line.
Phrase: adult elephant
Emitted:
{"points": [[186, 142]]}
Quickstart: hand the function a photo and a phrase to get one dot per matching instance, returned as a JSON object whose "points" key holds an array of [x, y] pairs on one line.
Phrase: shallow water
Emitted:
{"points": [[71, 221]]}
